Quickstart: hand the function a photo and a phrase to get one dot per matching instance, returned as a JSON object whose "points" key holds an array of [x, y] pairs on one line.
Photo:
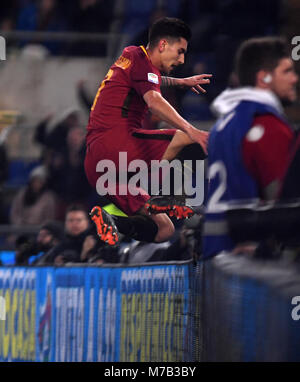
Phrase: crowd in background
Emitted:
{"points": [[218, 26], [59, 204]]}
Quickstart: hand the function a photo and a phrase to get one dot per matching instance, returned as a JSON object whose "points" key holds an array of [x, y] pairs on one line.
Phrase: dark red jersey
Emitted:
{"points": [[119, 102], [115, 123]]}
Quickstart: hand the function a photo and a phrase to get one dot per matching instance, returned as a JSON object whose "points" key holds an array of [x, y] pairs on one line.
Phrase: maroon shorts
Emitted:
{"points": [[146, 145]]}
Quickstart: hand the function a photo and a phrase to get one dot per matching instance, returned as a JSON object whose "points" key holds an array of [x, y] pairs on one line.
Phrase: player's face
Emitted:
{"points": [[173, 54], [284, 80]]}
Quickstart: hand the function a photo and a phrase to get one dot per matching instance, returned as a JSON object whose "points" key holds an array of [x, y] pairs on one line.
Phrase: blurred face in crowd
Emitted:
{"points": [[48, 5], [37, 183], [44, 237], [87, 3], [75, 138], [72, 120], [284, 80], [76, 222]]}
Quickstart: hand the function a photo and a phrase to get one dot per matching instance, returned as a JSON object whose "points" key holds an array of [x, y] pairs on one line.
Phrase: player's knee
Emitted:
{"points": [[181, 139], [165, 230]]}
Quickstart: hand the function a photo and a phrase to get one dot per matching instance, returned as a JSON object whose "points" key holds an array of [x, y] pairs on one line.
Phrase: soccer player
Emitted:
{"points": [[131, 87], [250, 143]]}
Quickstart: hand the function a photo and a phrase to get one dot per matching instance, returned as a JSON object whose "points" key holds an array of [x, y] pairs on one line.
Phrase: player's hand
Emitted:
{"points": [[194, 82], [199, 136]]}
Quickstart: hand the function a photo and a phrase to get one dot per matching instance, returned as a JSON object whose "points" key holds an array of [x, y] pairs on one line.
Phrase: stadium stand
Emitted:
{"points": [[136, 302]]}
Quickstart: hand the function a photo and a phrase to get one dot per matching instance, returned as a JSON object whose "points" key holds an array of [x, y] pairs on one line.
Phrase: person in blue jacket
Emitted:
{"points": [[249, 145]]}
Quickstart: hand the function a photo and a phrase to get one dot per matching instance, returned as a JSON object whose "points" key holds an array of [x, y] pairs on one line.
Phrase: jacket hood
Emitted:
{"points": [[230, 98]]}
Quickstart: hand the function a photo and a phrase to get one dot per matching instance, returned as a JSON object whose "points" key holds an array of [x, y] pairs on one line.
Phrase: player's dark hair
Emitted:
{"points": [[255, 54], [168, 27]]}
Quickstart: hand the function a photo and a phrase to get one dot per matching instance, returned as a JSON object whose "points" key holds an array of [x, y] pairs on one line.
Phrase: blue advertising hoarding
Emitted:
{"points": [[94, 314], [219, 310]]}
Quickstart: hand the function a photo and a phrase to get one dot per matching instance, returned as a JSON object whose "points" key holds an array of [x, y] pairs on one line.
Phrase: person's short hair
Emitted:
{"points": [[169, 28], [55, 228], [255, 54], [76, 208]]}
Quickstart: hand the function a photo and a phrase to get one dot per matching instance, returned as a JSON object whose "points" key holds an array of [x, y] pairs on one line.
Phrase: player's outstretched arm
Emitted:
{"points": [[163, 110], [193, 82]]}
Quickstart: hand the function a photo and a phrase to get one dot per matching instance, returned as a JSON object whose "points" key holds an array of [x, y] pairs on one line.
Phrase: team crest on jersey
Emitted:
{"points": [[153, 78]]}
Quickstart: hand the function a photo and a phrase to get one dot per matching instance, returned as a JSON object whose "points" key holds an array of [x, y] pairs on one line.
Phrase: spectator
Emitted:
{"points": [[3, 165], [3, 177], [42, 16], [67, 177], [77, 229], [9, 9], [52, 132], [24, 248], [95, 251], [34, 204], [64, 155], [84, 97], [249, 145], [85, 19], [31, 250]]}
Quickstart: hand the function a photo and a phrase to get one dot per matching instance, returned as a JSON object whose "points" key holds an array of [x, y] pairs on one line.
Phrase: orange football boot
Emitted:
{"points": [[106, 228]]}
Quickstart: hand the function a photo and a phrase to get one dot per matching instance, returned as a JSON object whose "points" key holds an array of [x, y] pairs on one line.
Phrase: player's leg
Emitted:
{"points": [[141, 227], [182, 142], [168, 145], [145, 227], [164, 224], [178, 142], [164, 144]]}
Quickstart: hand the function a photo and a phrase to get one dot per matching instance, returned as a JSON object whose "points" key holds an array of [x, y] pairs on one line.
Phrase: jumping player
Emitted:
{"points": [[131, 87]]}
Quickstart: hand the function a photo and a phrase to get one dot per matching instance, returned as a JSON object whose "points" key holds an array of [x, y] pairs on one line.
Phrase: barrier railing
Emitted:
{"points": [[243, 310]]}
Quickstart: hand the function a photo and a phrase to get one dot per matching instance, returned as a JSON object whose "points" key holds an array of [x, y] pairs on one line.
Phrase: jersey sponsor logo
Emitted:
{"points": [[153, 78]]}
